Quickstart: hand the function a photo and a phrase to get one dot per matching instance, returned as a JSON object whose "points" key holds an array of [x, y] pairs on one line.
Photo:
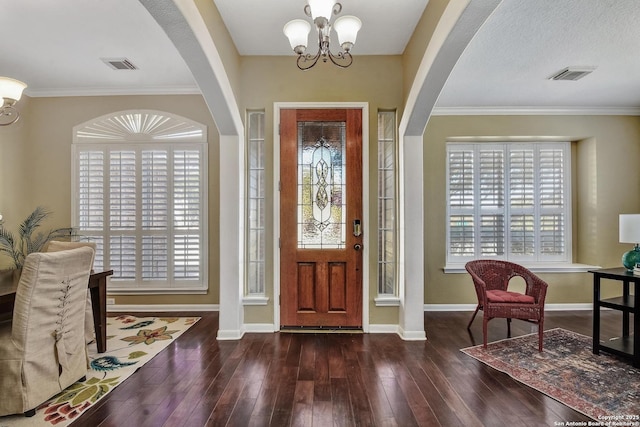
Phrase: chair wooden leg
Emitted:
{"points": [[484, 330], [473, 317], [540, 334], [30, 412]]}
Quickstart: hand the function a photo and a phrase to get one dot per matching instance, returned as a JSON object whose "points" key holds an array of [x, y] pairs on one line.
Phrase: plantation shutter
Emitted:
{"points": [[140, 193], [508, 201], [155, 214], [91, 199], [187, 214], [122, 213], [461, 202]]}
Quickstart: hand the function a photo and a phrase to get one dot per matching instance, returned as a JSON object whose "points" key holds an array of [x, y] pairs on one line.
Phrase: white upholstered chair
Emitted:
{"points": [[55, 246], [42, 349]]}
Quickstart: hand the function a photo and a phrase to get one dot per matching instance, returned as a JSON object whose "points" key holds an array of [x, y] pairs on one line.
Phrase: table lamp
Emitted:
{"points": [[630, 233]]}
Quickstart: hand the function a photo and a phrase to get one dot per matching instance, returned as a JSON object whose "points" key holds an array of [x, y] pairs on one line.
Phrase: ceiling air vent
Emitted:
{"points": [[572, 73], [119, 63]]}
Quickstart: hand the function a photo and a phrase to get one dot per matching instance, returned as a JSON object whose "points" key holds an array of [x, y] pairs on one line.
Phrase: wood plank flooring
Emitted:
{"points": [[295, 379]]}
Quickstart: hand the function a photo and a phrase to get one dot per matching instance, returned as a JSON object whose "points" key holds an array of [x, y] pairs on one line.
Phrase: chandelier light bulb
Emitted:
{"points": [[297, 31], [11, 88], [321, 8], [10, 94], [347, 28]]}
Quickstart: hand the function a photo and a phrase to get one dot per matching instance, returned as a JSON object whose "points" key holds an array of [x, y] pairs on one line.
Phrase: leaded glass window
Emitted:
{"points": [[321, 185]]}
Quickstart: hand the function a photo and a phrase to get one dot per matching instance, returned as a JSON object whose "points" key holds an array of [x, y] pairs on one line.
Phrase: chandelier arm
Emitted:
{"points": [[8, 111], [341, 56], [303, 59], [337, 8]]}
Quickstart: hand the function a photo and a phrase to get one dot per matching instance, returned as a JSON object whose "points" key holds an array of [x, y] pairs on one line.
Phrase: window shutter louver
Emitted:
{"points": [[122, 190]]}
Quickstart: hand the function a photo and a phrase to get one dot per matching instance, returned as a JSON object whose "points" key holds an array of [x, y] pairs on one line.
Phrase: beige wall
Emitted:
{"points": [[14, 170], [36, 166], [373, 79], [606, 183]]}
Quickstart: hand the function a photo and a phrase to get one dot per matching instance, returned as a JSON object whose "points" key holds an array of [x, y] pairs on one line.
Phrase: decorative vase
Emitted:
{"points": [[631, 258]]}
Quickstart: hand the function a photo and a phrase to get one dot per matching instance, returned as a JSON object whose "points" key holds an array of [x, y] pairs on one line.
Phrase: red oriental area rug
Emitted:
{"points": [[602, 387]]}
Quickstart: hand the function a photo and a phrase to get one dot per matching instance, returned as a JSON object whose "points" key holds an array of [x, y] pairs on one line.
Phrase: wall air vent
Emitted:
{"points": [[572, 73], [119, 63]]}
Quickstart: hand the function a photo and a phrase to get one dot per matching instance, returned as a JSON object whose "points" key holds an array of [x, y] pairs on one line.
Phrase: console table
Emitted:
{"points": [[628, 345]]}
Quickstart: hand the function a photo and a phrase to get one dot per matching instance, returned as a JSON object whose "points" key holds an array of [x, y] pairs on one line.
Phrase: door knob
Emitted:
{"points": [[357, 246]]}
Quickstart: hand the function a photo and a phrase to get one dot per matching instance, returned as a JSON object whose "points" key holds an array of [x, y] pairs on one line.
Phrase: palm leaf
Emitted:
{"points": [[31, 240]]}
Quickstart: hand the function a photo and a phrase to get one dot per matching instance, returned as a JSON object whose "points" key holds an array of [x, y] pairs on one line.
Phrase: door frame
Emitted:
{"points": [[366, 229]]}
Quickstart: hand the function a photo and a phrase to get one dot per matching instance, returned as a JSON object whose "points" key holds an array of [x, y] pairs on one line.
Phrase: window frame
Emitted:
{"points": [[257, 174], [145, 130], [537, 261], [383, 249]]}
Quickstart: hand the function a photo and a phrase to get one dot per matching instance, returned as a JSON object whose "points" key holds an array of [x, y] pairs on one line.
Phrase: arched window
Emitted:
{"points": [[140, 192]]}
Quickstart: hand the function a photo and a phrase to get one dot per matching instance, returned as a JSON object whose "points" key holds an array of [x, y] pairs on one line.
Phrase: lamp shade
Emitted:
{"points": [[297, 32], [629, 228], [11, 88], [321, 8], [347, 28]]}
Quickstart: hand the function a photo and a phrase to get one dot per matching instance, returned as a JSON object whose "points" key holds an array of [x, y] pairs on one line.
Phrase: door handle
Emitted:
{"points": [[357, 228], [357, 246]]}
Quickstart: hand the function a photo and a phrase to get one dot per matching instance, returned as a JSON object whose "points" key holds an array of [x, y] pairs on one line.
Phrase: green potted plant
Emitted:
{"points": [[29, 238]]}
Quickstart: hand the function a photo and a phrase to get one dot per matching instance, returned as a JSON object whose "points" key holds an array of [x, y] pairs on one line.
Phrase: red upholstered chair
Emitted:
{"points": [[491, 279]]}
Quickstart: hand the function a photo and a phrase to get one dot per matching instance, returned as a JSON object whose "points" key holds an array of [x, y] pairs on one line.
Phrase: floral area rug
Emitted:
{"points": [[602, 387], [131, 342]]}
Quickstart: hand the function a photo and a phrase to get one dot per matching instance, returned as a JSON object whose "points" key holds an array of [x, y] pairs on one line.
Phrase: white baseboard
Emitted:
{"points": [[259, 327], [119, 308], [383, 329], [412, 335], [229, 335], [472, 307]]}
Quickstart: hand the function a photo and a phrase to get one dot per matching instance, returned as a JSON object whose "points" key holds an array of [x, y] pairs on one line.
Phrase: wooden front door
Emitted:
{"points": [[320, 218]]}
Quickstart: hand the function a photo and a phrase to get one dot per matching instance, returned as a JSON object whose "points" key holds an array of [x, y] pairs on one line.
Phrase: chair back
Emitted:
{"points": [[48, 321], [57, 245], [489, 274]]}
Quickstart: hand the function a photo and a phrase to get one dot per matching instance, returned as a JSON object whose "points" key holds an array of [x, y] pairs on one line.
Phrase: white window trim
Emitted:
{"points": [[561, 266], [388, 299], [147, 127], [255, 298]]}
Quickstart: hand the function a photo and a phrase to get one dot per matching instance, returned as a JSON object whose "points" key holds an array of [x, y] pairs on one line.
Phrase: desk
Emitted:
{"points": [[628, 345], [97, 285]]}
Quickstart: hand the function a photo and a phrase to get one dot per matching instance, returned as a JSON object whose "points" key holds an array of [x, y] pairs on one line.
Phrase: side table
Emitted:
{"points": [[628, 345]]}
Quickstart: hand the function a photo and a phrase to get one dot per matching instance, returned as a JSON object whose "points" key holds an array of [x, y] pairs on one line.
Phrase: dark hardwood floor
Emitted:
{"points": [[297, 379]]}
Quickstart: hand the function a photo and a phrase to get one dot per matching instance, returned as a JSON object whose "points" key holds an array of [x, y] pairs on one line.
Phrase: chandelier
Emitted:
{"points": [[10, 92], [320, 11]]}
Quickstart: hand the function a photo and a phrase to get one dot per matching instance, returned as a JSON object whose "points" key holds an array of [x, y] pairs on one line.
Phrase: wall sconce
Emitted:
{"points": [[10, 92], [630, 233]]}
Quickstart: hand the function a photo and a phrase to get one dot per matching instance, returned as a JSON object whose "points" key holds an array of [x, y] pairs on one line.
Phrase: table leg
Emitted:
{"points": [[625, 314], [596, 314], [99, 306], [636, 325]]}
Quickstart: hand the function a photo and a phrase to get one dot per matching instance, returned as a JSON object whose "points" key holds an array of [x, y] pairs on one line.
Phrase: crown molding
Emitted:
{"points": [[105, 91], [535, 111]]}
